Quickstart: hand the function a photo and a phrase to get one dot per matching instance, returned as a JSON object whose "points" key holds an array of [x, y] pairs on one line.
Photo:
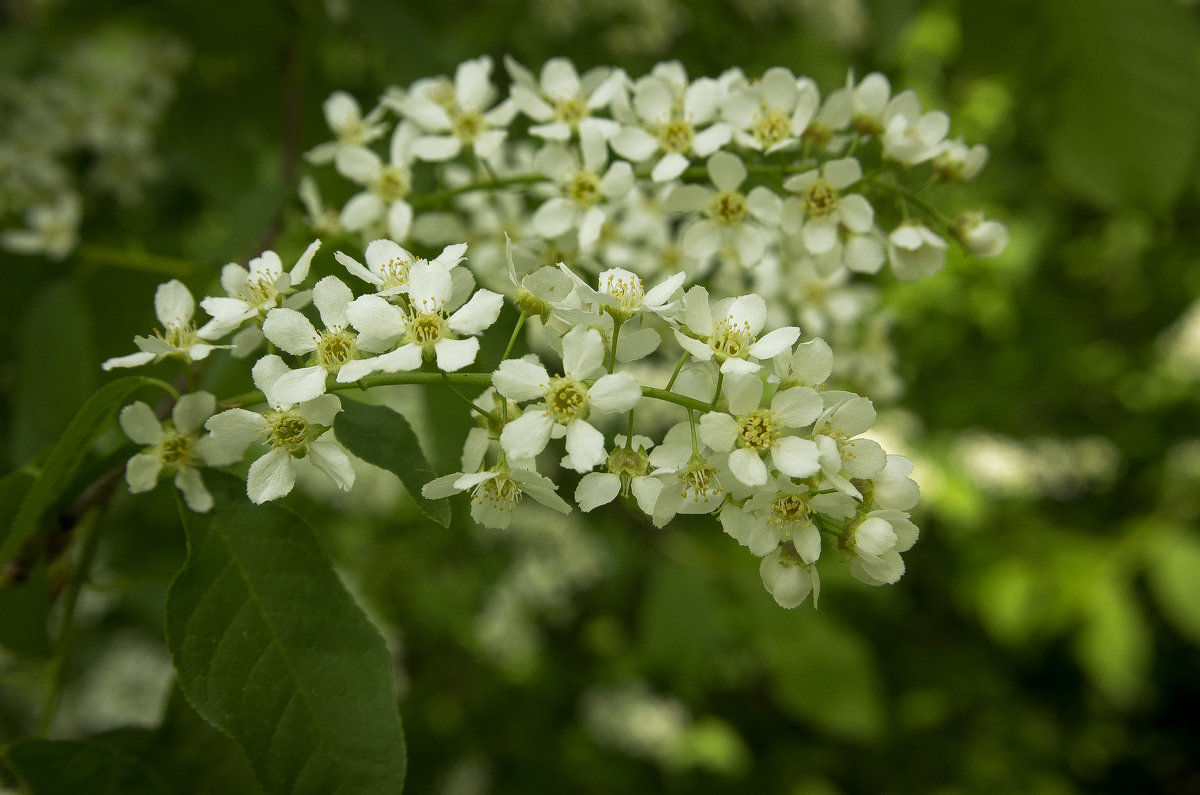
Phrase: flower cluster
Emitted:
{"points": [[644, 213], [99, 103]]}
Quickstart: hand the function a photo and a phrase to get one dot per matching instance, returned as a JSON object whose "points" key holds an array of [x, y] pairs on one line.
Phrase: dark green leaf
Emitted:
{"points": [[24, 609], [96, 766], [382, 437], [65, 457], [271, 649], [1128, 118]]}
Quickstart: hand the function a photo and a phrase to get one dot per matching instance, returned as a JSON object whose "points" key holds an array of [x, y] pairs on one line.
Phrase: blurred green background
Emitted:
{"points": [[1046, 636]]}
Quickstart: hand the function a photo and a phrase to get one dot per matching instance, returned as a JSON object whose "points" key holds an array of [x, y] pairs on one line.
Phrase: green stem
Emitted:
{"points": [[134, 260], [513, 339], [717, 391], [629, 432], [470, 403], [612, 359], [678, 367], [87, 530]]}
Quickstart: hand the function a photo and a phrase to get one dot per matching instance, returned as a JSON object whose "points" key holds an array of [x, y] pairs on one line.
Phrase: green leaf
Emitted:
{"points": [[65, 457], [823, 673], [383, 437], [1114, 643], [24, 611], [271, 649], [1173, 566], [95, 765], [1128, 117], [57, 366]]}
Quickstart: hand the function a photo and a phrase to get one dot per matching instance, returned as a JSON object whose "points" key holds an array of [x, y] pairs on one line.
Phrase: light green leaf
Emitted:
{"points": [[1114, 643], [383, 437], [1173, 566], [270, 648], [95, 766], [1127, 122], [65, 457]]}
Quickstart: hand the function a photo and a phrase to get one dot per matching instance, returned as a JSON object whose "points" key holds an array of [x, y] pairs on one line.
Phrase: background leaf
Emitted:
{"points": [[270, 648], [383, 437], [97, 766], [1128, 116]]}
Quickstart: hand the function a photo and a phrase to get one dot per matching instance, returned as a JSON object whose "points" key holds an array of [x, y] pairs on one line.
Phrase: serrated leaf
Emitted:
{"points": [[95, 766], [1128, 116], [65, 457], [270, 648], [383, 437]]}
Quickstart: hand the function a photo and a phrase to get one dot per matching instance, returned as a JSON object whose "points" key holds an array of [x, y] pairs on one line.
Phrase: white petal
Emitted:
{"points": [[271, 477], [797, 406], [796, 457], [596, 489], [141, 472], [192, 410], [291, 331], [299, 271], [748, 467], [585, 446], [727, 170], [321, 410], [455, 354], [298, 386], [718, 430], [139, 423], [331, 296], [670, 166], [527, 435], [372, 315], [615, 392], [774, 342], [404, 359], [583, 352], [195, 494], [520, 379], [173, 303], [266, 372], [128, 360], [233, 429], [437, 148], [646, 491], [441, 487], [790, 585], [331, 459]]}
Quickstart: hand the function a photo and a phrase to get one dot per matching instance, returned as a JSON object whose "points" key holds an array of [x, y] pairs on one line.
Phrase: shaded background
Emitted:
{"points": [[1046, 635]]}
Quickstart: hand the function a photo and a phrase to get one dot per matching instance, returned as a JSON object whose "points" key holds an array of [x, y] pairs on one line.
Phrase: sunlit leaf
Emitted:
{"points": [[270, 648]]}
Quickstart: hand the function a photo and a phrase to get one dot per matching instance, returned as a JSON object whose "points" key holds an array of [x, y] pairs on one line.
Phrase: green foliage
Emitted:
{"points": [[382, 437], [306, 692]]}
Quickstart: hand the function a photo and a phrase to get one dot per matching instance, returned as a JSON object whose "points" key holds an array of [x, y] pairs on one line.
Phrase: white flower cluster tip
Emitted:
{"points": [[644, 211]]}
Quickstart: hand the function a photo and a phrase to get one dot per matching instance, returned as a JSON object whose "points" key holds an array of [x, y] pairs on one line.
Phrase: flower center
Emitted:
{"points": [[730, 339], [468, 125], [584, 188], [700, 480], [288, 430], [822, 200], [176, 451], [771, 126], [335, 348], [498, 493], [676, 136], [627, 288], [570, 110], [427, 328], [394, 272], [259, 291], [566, 400], [727, 207], [759, 429], [790, 513], [393, 183]]}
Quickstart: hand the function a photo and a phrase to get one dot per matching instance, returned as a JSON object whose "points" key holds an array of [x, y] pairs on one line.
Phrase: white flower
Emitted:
{"points": [[53, 229], [774, 515], [622, 294], [770, 115], [756, 432], [496, 492], [174, 446], [251, 293], [583, 190], [671, 120], [178, 338], [915, 250], [566, 400], [628, 468], [694, 479], [892, 488], [330, 349], [349, 127], [727, 331], [562, 102], [910, 136], [386, 185], [788, 578], [957, 162], [427, 329], [842, 456], [287, 431], [388, 264], [730, 218], [457, 113], [877, 542], [983, 237], [808, 365], [821, 209]]}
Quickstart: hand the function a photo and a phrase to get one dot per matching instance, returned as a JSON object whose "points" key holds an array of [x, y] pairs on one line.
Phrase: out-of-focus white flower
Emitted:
{"points": [[561, 102], [770, 115], [584, 188], [957, 162], [251, 293], [910, 136], [983, 237], [877, 542], [820, 210], [788, 578], [915, 250], [727, 331], [348, 125], [53, 229], [383, 202]]}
